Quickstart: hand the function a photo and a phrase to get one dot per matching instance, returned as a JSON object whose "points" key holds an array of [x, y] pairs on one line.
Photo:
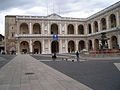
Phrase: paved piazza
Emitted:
{"points": [[40, 72]]}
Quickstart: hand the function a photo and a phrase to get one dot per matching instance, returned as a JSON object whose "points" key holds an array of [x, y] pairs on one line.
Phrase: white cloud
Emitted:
{"points": [[66, 8]]}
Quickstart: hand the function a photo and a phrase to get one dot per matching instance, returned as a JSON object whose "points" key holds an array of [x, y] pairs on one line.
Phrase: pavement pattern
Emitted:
{"points": [[26, 73], [96, 73]]}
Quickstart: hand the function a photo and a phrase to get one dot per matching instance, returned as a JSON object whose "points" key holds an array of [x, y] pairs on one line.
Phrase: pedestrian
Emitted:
{"points": [[77, 56], [54, 56]]}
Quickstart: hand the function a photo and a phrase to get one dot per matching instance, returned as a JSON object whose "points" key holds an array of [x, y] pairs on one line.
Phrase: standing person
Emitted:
{"points": [[77, 56]]}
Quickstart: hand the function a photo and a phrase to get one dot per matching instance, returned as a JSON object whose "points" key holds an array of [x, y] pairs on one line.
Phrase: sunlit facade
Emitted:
{"points": [[34, 34]]}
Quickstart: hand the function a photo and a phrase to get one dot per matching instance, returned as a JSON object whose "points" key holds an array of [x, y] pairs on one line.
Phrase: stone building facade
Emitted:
{"points": [[34, 34], [2, 43]]}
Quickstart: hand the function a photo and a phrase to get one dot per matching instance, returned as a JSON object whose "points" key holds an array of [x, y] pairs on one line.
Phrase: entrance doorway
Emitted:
{"points": [[54, 47], [71, 46]]}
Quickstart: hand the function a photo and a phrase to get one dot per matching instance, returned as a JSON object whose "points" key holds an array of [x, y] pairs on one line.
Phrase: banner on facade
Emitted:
{"points": [[55, 37]]}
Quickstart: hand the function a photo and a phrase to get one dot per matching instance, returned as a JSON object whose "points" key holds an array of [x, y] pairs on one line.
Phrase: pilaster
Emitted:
{"points": [[30, 46], [118, 40], [92, 27], [30, 28], [76, 44], [66, 47], [42, 29], [76, 28], [107, 22], [99, 26], [117, 19]]}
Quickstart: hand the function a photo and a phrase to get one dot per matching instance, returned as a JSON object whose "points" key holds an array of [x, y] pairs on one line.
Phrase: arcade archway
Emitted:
{"points": [[55, 47], [24, 47], [81, 45], [37, 47], [114, 42], [71, 46]]}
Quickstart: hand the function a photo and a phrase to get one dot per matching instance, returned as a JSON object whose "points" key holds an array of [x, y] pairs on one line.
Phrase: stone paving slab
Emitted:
{"points": [[26, 73]]}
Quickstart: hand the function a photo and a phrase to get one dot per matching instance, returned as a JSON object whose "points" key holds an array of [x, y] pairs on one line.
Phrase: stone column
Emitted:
{"points": [[18, 28], [76, 44], [93, 44], [85, 29], [99, 26], [65, 28], [60, 46], [107, 22], [66, 46], [43, 46], [118, 40], [117, 19], [42, 29], [109, 44], [18, 47], [86, 44], [49, 47], [76, 29], [60, 29], [30, 28], [92, 27], [30, 46], [48, 28]]}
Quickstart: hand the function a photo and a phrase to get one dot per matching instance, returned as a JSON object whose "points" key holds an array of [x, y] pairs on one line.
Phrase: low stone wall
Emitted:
{"points": [[101, 55]]}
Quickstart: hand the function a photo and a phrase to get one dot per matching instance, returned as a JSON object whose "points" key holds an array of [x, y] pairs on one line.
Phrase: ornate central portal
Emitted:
{"points": [[55, 47]]}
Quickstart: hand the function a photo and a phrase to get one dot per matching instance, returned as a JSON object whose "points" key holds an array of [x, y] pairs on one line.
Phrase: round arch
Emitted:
{"points": [[103, 24], [71, 46], [37, 47], [24, 47], [81, 45], [36, 28], [55, 47], [80, 29], [114, 42], [95, 26], [90, 45], [96, 44], [24, 28], [70, 29], [89, 29], [112, 20], [54, 29]]}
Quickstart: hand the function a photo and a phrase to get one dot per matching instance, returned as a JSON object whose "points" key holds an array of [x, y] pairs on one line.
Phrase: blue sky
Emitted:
{"points": [[65, 8]]}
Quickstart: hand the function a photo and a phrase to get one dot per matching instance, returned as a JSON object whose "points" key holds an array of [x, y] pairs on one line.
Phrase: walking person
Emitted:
{"points": [[77, 56]]}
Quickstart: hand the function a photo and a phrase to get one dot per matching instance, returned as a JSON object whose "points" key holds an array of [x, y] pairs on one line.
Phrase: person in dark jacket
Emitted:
{"points": [[77, 56]]}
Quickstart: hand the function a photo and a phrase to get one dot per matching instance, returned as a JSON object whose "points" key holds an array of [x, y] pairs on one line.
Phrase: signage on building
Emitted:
{"points": [[55, 37]]}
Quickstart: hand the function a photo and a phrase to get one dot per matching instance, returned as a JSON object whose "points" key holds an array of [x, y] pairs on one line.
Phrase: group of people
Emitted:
{"points": [[77, 56]]}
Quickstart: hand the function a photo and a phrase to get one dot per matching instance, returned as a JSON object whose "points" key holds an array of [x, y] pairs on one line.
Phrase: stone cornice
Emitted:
{"points": [[116, 29], [55, 17]]}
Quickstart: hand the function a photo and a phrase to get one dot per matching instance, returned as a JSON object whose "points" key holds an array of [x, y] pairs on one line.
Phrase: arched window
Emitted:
{"points": [[90, 45], [96, 26], [112, 20], [37, 47], [103, 23], [81, 45], [71, 46], [89, 29], [36, 28], [24, 47], [24, 28], [54, 29], [114, 42], [70, 29], [80, 29], [96, 44]]}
